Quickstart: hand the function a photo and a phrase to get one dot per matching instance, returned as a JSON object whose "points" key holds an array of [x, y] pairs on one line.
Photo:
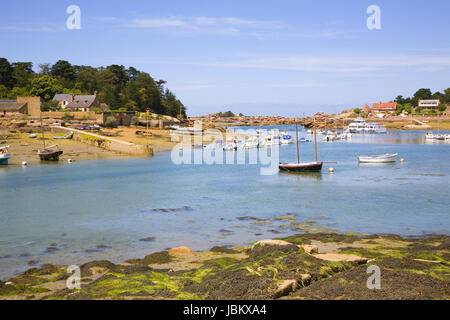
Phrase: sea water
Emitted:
{"points": [[100, 209]]}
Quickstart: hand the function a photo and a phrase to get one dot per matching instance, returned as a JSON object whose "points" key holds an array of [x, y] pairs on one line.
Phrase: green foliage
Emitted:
{"points": [[116, 86], [357, 110], [110, 122], [50, 105], [226, 114], [135, 120], [442, 107], [67, 116], [45, 86]]}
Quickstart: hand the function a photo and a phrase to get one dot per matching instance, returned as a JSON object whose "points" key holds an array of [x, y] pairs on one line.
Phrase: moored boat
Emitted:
{"points": [[305, 166], [381, 158]]}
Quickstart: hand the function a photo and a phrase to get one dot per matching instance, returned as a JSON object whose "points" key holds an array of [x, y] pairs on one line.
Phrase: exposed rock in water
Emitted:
{"points": [[181, 251], [222, 249], [148, 239]]}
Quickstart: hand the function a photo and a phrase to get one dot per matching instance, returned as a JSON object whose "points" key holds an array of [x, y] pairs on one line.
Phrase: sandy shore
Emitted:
{"points": [[304, 266], [25, 149]]}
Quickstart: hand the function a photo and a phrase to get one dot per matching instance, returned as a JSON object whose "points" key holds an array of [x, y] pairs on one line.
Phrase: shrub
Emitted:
{"points": [[135, 120], [67, 116], [110, 122]]}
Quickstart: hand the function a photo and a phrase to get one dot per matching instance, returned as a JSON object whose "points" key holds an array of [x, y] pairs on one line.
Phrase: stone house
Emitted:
{"points": [[22, 105], [81, 103]]}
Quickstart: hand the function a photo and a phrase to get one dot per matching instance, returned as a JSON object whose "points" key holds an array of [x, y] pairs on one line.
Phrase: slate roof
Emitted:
{"points": [[82, 101], [11, 105], [61, 97]]}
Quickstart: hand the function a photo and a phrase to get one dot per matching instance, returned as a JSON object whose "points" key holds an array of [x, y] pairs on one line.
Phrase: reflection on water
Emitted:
{"points": [[299, 176], [78, 206]]}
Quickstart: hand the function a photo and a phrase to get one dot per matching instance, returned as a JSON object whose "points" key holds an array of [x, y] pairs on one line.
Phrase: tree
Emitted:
{"points": [[357, 110], [399, 100], [44, 68], [421, 94], [442, 107], [63, 71], [22, 73], [446, 96], [4, 91], [50, 105], [45, 87], [6, 73]]}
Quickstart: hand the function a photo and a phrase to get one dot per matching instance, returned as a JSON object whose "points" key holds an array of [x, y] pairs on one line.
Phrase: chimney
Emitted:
{"points": [[71, 97], [95, 93]]}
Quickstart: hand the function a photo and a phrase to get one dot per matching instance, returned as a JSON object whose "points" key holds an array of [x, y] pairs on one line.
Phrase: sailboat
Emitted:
{"points": [[51, 153], [305, 166]]}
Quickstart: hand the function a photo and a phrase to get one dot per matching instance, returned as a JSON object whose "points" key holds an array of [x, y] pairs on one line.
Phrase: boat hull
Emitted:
{"points": [[384, 158], [301, 167], [50, 156], [4, 158]]}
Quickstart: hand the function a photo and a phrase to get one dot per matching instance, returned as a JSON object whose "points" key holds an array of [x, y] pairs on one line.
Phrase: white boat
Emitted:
{"points": [[230, 145], [374, 128], [381, 158], [429, 135], [251, 143], [329, 137], [5, 155], [32, 135], [309, 131], [361, 126]]}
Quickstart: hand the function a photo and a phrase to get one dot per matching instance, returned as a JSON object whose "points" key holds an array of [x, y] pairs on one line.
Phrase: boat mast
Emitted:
{"points": [[42, 128], [315, 140], [296, 134]]}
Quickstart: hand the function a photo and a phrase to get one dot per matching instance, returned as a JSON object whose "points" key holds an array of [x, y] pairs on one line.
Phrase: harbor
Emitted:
{"points": [[65, 215]]}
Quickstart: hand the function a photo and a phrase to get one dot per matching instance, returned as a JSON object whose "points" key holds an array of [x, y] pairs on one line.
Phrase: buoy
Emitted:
{"points": [[24, 163], [330, 170], [69, 160], [401, 159]]}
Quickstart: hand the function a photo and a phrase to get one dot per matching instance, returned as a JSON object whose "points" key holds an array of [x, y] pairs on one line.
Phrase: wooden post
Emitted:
{"points": [[296, 134]]}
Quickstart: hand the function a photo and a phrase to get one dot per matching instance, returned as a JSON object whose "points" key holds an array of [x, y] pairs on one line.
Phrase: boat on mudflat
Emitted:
{"points": [[5, 155], [381, 158], [50, 154]]}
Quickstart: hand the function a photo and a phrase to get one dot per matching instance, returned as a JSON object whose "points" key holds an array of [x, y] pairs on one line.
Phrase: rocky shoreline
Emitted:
{"points": [[303, 266]]}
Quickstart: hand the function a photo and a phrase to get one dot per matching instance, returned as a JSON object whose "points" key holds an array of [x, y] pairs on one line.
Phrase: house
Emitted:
{"points": [[429, 104], [366, 109], [384, 107], [63, 98], [22, 105], [78, 102]]}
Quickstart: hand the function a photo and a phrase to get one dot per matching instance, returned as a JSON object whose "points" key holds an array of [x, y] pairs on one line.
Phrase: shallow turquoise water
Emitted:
{"points": [[80, 205]]}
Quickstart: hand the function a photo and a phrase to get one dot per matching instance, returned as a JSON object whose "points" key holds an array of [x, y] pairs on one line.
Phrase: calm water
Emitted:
{"points": [[77, 206]]}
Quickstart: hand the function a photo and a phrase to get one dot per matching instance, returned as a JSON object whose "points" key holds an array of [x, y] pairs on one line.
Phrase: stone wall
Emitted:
{"points": [[33, 105]]}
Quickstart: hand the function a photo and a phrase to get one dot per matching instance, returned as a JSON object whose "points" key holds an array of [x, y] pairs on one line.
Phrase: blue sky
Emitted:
{"points": [[256, 57]]}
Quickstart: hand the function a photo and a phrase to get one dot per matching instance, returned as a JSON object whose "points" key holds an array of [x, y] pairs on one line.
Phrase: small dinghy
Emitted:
{"points": [[382, 158], [32, 135], [4, 155], [67, 136]]}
